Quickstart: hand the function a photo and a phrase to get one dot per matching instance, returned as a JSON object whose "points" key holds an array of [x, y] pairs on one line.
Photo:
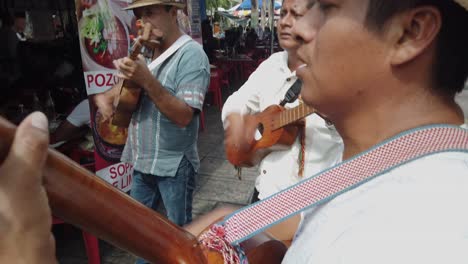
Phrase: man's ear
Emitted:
{"points": [[413, 32]]}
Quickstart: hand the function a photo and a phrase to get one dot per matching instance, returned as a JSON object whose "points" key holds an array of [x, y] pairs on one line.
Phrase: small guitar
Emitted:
{"points": [[274, 125], [83, 199], [129, 95]]}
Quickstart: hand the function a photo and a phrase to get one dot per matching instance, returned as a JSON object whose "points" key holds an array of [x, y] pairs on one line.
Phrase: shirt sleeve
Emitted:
{"points": [[80, 115], [246, 100], [194, 79]]}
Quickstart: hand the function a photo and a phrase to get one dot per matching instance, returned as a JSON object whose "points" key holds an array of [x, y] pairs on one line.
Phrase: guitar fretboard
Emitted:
{"points": [[291, 115]]}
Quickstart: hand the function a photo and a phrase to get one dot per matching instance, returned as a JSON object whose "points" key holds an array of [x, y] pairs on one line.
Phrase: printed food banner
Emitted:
{"points": [[104, 32]]}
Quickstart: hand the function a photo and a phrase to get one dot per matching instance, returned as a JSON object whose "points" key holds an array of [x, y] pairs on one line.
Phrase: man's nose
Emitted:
{"points": [[286, 21], [305, 28]]}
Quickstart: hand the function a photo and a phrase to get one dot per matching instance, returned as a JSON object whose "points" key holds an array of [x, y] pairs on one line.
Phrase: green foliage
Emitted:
{"points": [[214, 4]]}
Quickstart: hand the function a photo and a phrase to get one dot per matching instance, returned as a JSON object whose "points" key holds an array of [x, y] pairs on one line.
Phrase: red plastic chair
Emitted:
{"points": [[228, 69], [215, 88]]}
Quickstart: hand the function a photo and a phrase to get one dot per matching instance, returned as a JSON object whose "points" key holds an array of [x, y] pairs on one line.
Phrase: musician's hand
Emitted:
{"points": [[237, 134], [105, 103], [25, 217], [300, 122], [134, 70]]}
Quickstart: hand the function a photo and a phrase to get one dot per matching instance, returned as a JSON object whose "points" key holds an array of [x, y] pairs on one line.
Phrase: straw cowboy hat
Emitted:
{"points": [[176, 3]]}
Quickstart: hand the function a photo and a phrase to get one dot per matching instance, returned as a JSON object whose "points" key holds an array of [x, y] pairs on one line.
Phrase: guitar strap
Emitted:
{"points": [[243, 224], [168, 52], [293, 93]]}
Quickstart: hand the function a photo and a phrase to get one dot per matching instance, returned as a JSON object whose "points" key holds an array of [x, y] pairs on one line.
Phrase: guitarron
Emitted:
{"points": [[83, 199]]}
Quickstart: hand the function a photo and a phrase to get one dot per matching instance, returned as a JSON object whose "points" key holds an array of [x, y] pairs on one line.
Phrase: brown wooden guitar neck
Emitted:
{"points": [[82, 199], [292, 115], [272, 123]]}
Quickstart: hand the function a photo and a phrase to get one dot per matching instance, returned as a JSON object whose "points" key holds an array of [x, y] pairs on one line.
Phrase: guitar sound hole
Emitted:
{"points": [[260, 128], [259, 132]]}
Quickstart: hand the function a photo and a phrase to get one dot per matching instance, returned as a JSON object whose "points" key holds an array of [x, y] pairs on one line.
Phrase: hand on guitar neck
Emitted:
{"points": [[134, 74], [240, 140]]}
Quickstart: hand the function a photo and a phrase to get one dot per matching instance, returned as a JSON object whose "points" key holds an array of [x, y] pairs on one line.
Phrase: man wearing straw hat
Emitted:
{"points": [[163, 133]]}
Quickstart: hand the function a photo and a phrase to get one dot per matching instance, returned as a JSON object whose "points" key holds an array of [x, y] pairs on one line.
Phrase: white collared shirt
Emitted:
{"points": [[279, 170], [414, 213]]}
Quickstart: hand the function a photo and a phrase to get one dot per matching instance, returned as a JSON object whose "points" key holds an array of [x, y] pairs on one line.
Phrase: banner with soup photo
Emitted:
{"points": [[104, 32]]}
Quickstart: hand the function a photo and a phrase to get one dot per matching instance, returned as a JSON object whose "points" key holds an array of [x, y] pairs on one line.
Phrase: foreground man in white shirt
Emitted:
{"points": [[377, 68]]}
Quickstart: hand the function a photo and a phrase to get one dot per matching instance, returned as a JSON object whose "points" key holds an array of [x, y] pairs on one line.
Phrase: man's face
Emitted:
{"points": [[344, 59], [160, 19], [291, 11]]}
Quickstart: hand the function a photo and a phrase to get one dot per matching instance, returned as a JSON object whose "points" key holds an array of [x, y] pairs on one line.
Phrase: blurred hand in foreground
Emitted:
{"points": [[25, 216]]}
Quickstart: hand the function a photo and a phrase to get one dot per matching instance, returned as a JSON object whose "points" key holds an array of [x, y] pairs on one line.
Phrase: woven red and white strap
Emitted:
{"points": [[403, 148]]}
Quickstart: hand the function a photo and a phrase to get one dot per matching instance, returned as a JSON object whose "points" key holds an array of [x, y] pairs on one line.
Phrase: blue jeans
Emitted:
{"points": [[176, 193]]}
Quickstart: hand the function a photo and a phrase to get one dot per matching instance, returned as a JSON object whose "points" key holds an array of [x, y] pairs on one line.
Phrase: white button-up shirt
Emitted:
{"points": [[323, 146]]}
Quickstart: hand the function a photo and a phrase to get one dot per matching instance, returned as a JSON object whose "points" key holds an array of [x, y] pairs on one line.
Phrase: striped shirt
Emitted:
{"points": [[155, 145]]}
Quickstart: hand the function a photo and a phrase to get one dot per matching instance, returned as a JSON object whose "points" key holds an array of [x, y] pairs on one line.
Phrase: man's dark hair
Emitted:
{"points": [[167, 7], [450, 69]]}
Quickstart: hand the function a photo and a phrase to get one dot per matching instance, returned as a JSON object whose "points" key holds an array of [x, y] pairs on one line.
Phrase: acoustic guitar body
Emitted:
{"points": [[266, 124], [128, 102]]}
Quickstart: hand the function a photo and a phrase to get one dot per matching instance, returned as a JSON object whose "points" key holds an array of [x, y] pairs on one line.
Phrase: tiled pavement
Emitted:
{"points": [[217, 184]]}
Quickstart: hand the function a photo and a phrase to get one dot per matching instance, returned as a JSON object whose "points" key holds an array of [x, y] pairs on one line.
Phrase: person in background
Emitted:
{"points": [[268, 86], [20, 25], [267, 34], [72, 126], [259, 31], [9, 59], [163, 133], [318, 145], [208, 39]]}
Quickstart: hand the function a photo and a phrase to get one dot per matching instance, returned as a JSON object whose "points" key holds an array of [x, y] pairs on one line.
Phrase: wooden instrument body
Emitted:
{"points": [[126, 104], [80, 198], [129, 92], [283, 136]]}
